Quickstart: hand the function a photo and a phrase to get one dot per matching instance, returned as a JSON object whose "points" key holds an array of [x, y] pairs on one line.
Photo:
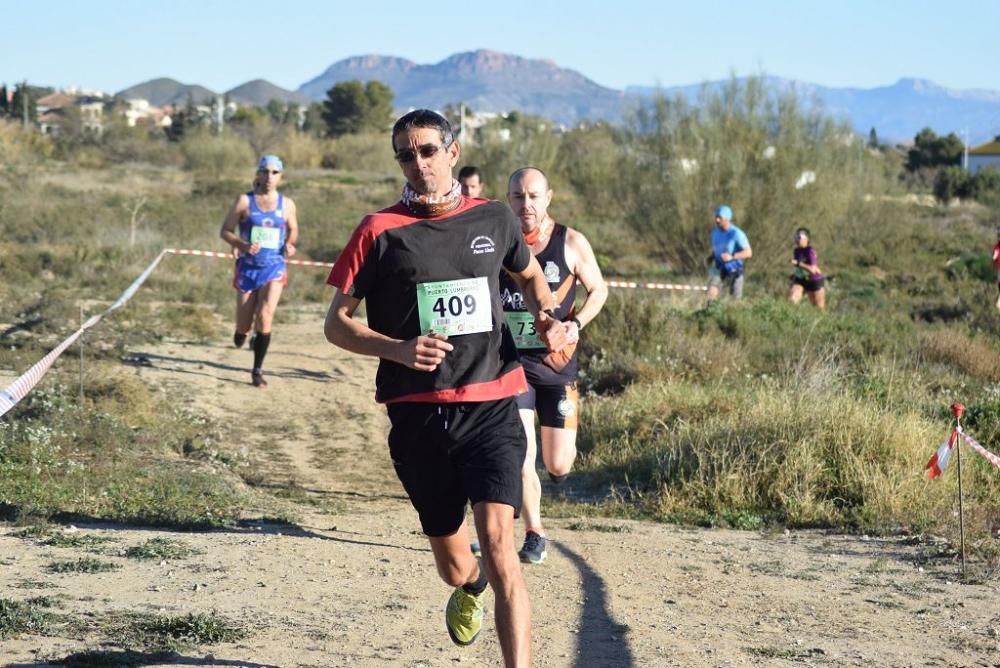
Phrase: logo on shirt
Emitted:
{"points": [[482, 245], [267, 222], [514, 301], [551, 272]]}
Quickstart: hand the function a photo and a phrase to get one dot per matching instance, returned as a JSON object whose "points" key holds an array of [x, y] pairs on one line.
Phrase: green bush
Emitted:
{"points": [[217, 155]]}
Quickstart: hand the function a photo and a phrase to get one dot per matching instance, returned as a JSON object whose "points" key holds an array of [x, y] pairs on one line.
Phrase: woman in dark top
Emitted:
{"points": [[807, 276]]}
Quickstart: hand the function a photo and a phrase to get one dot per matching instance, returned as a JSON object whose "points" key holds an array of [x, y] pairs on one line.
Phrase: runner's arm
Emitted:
{"points": [[239, 211], [589, 272], [292, 220], [423, 353], [542, 303]]}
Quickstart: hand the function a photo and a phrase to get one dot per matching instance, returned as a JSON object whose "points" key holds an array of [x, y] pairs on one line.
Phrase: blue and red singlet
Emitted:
{"points": [[270, 230]]}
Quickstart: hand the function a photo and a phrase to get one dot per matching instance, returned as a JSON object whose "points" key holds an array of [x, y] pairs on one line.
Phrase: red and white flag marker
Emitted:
{"points": [[939, 460]]}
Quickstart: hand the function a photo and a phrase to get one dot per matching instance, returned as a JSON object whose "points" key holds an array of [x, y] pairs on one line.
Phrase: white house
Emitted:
{"points": [[986, 155]]}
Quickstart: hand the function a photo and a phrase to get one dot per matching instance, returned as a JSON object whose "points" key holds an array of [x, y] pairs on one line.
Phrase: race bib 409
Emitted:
{"points": [[453, 308]]}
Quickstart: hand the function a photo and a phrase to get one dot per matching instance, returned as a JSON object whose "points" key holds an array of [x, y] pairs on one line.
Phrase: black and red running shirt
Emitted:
{"points": [[392, 251]]}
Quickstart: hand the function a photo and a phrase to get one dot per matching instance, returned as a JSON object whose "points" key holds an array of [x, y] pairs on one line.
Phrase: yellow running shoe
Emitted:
{"points": [[464, 616]]}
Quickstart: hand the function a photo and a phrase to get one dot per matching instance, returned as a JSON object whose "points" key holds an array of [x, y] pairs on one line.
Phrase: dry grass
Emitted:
{"points": [[968, 355]]}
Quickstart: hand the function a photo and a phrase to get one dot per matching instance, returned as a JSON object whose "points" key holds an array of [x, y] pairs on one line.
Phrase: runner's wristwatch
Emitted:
{"points": [[579, 325]]}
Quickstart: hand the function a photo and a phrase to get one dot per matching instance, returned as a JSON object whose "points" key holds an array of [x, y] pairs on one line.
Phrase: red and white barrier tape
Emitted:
{"points": [[992, 458], [653, 286], [309, 263], [16, 391], [13, 393], [229, 256]]}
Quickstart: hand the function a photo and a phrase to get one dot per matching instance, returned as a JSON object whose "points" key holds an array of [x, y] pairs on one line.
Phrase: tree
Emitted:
{"points": [[872, 139], [3, 101], [352, 107], [929, 150], [276, 109], [314, 122], [25, 99]]}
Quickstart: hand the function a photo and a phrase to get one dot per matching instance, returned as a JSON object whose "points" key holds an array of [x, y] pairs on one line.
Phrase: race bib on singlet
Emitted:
{"points": [[454, 308], [267, 237], [522, 326]]}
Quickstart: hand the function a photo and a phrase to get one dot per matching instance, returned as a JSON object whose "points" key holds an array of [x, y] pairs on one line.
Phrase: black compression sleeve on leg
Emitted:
{"points": [[260, 344]]}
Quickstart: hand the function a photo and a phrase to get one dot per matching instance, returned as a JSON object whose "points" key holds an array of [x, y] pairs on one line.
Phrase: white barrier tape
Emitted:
{"points": [[993, 459], [16, 391], [229, 256], [309, 263]]}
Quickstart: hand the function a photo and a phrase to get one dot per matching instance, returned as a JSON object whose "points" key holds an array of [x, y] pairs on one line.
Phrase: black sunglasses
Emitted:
{"points": [[405, 155]]}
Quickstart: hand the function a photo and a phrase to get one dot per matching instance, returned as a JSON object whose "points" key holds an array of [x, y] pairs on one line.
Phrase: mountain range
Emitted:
{"points": [[164, 91], [492, 81]]}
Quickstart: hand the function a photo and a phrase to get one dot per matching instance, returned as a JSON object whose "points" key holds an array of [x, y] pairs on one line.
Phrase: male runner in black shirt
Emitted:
{"points": [[428, 268]]}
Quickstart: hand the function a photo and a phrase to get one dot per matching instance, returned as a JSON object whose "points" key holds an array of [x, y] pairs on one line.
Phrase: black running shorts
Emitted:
{"points": [[449, 455], [558, 406], [809, 284]]}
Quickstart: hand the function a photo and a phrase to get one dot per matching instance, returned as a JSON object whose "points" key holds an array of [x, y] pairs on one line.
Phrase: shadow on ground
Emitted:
{"points": [[189, 366], [601, 641]]}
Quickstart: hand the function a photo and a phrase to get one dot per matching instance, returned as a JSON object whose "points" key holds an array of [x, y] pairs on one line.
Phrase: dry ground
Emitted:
{"points": [[352, 582]]}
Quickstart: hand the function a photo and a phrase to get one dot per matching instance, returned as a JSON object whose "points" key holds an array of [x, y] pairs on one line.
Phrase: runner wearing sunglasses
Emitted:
{"points": [[428, 270], [262, 227]]}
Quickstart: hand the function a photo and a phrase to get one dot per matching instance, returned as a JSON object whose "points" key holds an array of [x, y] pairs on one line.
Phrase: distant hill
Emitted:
{"points": [[168, 91], [897, 112], [259, 92], [484, 80]]}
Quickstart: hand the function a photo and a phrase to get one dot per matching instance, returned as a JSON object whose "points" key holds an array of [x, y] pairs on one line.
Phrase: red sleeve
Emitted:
{"points": [[352, 259]]}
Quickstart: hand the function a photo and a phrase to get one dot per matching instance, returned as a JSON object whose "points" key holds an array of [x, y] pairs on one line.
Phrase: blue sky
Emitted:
{"points": [[113, 44]]}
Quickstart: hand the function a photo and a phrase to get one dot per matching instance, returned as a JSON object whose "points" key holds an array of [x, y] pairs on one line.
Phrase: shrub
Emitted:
{"points": [[22, 146], [216, 155], [951, 182], [302, 151], [964, 354], [369, 153]]}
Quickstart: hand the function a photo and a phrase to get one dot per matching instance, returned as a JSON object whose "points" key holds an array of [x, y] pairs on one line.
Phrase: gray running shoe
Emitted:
{"points": [[533, 550]]}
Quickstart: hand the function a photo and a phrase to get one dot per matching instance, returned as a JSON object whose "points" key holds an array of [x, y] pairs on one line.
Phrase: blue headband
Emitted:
{"points": [[269, 160]]}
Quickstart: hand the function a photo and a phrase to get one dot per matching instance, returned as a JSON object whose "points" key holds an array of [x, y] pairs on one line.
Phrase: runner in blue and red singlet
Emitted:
{"points": [[262, 227]]}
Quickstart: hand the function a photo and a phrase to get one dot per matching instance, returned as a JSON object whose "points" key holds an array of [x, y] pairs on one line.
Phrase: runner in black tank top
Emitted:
{"points": [[565, 257], [540, 366]]}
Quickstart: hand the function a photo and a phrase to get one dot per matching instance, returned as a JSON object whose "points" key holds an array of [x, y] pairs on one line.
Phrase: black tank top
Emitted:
{"points": [[540, 366]]}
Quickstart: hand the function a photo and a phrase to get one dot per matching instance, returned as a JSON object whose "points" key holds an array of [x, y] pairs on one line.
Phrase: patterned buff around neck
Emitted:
{"points": [[428, 205]]}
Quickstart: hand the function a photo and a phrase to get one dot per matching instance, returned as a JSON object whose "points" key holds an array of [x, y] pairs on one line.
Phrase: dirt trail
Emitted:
{"points": [[353, 584]]}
